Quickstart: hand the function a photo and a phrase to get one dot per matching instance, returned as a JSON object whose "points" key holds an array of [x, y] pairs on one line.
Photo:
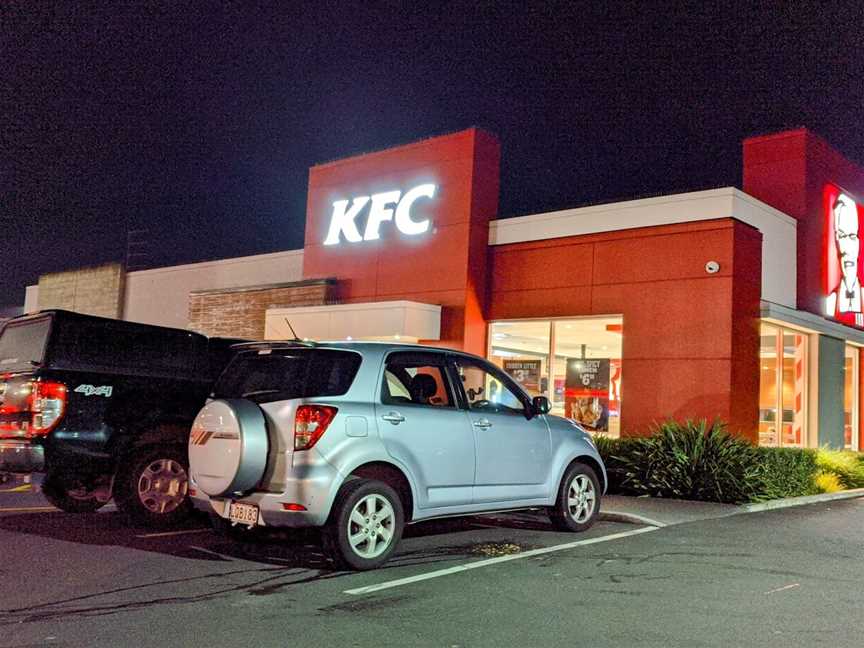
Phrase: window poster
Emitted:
{"points": [[586, 392], [526, 373]]}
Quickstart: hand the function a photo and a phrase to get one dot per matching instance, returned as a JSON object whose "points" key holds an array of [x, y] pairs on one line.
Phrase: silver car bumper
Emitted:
{"points": [[314, 488]]}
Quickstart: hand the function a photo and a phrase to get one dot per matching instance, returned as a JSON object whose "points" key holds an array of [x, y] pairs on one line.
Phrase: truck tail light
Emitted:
{"points": [[38, 409], [47, 406], [310, 423]]}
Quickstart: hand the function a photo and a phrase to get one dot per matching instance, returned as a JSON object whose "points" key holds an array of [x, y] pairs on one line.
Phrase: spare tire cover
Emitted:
{"points": [[228, 447]]}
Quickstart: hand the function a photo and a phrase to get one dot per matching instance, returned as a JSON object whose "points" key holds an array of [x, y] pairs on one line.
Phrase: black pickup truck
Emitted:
{"points": [[103, 407]]}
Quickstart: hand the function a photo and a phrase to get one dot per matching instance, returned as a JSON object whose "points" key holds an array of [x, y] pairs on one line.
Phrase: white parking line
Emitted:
{"points": [[28, 509], [783, 589], [211, 553], [165, 534], [494, 561]]}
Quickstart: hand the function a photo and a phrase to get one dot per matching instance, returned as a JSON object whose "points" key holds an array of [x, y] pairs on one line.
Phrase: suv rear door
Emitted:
{"points": [[423, 428]]}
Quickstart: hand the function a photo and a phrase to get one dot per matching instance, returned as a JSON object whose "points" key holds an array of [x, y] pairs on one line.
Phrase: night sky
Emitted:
{"points": [[198, 121]]}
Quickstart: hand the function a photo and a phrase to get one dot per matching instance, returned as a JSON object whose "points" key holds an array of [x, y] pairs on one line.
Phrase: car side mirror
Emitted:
{"points": [[540, 405]]}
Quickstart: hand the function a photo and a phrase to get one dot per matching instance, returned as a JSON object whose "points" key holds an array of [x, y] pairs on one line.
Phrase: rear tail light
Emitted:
{"points": [[310, 423], [40, 410], [48, 406]]}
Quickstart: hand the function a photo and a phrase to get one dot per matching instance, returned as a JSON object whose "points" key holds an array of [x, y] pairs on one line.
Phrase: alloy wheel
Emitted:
{"points": [[581, 498], [371, 526]]}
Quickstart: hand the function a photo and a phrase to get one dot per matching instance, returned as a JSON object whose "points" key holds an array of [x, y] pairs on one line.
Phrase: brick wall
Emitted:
{"points": [[240, 312], [95, 291]]}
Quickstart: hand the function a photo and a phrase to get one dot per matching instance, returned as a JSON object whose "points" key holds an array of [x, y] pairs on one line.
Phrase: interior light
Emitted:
{"points": [[349, 338], [397, 337]]}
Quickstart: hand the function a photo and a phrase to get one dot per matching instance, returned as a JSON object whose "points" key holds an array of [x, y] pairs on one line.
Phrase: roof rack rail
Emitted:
{"points": [[271, 343]]}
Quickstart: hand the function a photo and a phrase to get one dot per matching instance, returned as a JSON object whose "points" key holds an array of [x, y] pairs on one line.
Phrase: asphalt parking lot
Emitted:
{"points": [[502, 580]]}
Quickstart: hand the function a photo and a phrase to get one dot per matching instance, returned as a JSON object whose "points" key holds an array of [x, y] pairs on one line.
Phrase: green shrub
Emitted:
{"points": [[786, 472], [847, 465], [618, 457], [691, 460], [695, 460]]}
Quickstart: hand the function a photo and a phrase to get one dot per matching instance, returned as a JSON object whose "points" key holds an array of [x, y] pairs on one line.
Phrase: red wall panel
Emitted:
{"points": [[690, 340], [446, 265]]}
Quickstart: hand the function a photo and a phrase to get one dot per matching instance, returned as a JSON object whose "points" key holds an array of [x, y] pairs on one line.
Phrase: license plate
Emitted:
{"points": [[243, 513]]}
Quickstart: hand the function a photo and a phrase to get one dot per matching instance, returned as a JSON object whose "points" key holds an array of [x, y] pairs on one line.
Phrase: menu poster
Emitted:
{"points": [[526, 373], [586, 392]]}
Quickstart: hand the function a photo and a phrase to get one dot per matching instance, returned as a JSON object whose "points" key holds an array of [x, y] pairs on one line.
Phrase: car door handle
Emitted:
{"points": [[393, 417], [483, 423]]}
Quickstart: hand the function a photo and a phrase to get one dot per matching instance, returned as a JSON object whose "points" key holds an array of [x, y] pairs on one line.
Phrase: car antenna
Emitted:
{"points": [[288, 322]]}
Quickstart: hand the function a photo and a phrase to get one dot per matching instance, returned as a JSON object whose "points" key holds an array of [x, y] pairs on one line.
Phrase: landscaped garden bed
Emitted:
{"points": [[697, 460]]}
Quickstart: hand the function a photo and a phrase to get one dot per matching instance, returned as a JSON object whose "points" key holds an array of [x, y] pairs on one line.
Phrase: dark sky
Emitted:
{"points": [[198, 121]]}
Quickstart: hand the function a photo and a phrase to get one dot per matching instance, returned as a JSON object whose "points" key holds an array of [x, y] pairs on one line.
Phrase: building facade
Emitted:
{"points": [[739, 305]]}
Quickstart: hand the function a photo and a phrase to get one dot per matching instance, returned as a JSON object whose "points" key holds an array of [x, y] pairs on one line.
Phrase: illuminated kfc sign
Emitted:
{"points": [[386, 206], [843, 271]]}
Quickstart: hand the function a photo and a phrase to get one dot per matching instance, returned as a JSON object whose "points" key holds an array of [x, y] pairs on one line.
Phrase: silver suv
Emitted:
{"points": [[362, 438]]}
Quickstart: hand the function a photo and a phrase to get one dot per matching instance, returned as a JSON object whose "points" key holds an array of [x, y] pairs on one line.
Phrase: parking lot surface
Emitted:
{"points": [[781, 578]]}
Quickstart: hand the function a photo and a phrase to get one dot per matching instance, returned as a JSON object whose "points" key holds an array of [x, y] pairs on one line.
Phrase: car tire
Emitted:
{"points": [[578, 502], [61, 495], [153, 487], [366, 513]]}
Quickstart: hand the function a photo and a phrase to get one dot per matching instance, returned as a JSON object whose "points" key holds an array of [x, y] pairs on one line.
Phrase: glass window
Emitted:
{"points": [[575, 363], [417, 379], [587, 372], [487, 392], [283, 374], [794, 347], [850, 398], [782, 387], [768, 424], [22, 344], [521, 350]]}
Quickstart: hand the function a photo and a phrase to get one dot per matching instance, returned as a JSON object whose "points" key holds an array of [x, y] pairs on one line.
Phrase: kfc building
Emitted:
{"points": [[743, 305]]}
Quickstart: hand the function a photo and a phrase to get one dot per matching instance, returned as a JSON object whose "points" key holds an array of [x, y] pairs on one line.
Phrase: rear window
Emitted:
{"points": [[22, 344], [281, 374], [122, 347]]}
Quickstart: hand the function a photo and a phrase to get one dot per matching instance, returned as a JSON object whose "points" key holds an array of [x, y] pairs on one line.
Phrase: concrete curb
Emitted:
{"points": [[629, 518], [787, 502], [771, 505]]}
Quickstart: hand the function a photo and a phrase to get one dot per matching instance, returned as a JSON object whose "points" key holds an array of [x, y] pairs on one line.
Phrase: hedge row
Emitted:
{"points": [[696, 460]]}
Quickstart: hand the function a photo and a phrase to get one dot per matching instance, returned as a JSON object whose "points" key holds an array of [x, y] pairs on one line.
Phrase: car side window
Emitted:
{"points": [[485, 391], [417, 379]]}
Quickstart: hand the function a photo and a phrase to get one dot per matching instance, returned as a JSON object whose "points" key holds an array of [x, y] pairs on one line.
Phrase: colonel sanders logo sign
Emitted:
{"points": [[843, 248]]}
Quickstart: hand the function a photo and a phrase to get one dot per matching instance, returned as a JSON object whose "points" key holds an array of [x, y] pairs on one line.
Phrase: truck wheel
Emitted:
{"points": [[365, 525], [153, 488], [71, 498]]}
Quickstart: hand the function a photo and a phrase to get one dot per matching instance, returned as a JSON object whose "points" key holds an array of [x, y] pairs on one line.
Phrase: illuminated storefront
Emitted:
{"points": [[743, 305]]}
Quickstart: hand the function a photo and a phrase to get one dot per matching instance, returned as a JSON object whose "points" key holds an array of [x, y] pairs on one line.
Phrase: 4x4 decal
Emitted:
{"points": [[92, 390]]}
